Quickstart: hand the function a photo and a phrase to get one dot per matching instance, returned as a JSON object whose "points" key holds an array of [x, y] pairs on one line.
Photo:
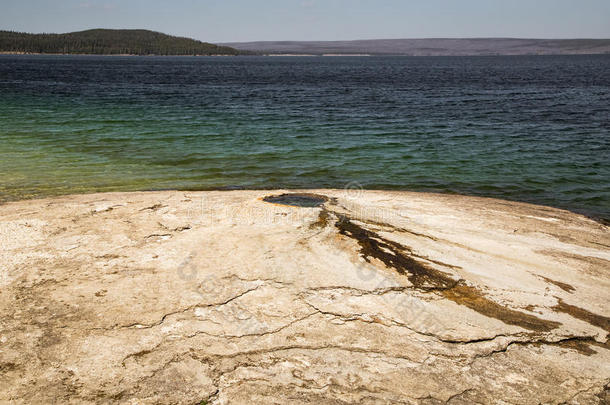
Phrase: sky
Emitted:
{"points": [[314, 20]]}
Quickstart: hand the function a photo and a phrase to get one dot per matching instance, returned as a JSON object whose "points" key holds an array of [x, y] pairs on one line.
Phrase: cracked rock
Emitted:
{"points": [[222, 297]]}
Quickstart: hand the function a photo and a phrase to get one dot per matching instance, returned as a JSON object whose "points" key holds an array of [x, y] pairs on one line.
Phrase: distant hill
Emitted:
{"points": [[432, 47], [108, 42]]}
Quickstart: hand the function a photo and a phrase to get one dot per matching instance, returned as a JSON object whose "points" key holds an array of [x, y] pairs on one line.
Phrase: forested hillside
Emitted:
{"points": [[109, 42]]}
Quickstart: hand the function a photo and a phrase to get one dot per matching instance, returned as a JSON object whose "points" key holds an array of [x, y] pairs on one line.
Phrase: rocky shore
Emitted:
{"points": [[329, 296]]}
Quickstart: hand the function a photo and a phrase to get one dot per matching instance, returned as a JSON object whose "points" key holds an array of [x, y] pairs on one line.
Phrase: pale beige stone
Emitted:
{"points": [[219, 297]]}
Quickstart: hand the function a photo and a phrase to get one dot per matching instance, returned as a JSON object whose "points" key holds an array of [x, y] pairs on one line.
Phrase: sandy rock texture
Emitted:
{"points": [[220, 297]]}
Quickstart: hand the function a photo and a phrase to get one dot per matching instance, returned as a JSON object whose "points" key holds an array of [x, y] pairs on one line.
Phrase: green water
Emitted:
{"points": [[532, 129]]}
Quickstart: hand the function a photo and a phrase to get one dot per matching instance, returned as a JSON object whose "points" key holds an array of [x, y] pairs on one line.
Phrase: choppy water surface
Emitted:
{"points": [[532, 129]]}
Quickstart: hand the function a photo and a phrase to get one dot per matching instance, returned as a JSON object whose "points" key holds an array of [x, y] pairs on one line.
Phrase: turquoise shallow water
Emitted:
{"points": [[533, 129]]}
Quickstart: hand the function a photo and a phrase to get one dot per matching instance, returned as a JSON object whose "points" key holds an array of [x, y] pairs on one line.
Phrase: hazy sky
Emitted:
{"points": [[249, 20]]}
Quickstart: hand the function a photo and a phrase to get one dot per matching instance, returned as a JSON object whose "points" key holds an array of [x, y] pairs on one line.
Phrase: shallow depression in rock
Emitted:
{"points": [[297, 199]]}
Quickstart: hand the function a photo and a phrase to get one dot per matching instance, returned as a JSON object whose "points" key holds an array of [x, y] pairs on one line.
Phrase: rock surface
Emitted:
{"points": [[372, 297]]}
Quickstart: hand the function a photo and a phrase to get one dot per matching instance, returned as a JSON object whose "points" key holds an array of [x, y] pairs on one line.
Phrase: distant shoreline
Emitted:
{"points": [[103, 54], [429, 47], [108, 42], [2, 53], [139, 42]]}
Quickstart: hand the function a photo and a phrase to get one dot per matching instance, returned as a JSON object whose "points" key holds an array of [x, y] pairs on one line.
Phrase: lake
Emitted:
{"points": [[526, 128]]}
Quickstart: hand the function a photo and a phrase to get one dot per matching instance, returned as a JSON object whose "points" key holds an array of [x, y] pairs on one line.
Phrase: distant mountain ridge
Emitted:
{"points": [[108, 42], [431, 46]]}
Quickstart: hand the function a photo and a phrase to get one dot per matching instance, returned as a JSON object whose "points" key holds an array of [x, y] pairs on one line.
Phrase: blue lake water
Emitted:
{"points": [[527, 128]]}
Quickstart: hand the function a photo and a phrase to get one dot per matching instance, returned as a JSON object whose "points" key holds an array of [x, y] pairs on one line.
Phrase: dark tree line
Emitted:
{"points": [[109, 42]]}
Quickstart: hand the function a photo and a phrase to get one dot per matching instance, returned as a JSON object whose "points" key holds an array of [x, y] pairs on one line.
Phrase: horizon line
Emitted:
{"points": [[413, 38], [315, 40]]}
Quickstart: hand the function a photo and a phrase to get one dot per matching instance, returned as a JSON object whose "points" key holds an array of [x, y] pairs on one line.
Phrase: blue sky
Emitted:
{"points": [[249, 20]]}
